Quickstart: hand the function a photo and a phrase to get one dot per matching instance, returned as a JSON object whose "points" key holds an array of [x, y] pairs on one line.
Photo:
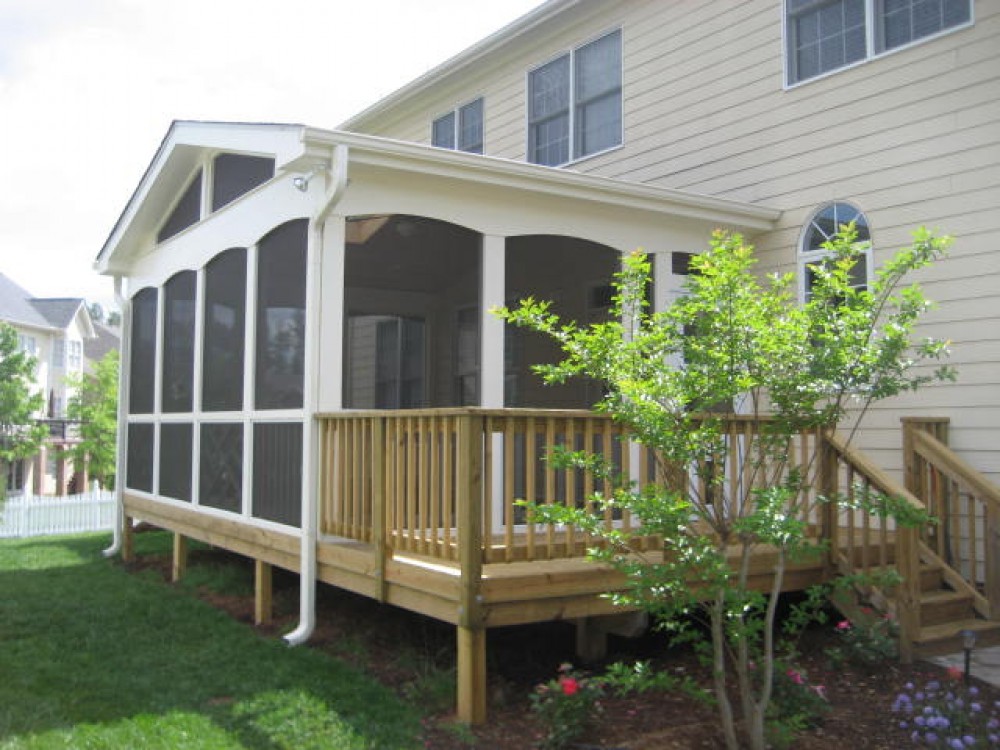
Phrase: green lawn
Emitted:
{"points": [[94, 657]]}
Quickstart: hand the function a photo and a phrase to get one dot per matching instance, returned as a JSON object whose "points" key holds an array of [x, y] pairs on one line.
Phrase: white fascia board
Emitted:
{"points": [[410, 157], [488, 46]]}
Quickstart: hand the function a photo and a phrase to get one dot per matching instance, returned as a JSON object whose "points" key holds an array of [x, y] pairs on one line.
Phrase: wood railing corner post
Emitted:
{"points": [[828, 488], [908, 598], [380, 515], [471, 630], [991, 562]]}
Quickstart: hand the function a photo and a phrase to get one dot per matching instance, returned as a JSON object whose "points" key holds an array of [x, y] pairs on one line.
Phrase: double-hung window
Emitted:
{"points": [[575, 103], [824, 35], [461, 128]]}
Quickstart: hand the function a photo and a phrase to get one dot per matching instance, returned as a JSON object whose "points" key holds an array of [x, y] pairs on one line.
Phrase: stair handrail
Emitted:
{"points": [[907, 555], [926, 447]]}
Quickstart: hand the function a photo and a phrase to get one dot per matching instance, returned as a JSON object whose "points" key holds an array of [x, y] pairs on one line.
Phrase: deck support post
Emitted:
{"points": [[591, 640], [471, 675], [128, 539], [471, 665], [179, 567], [262, 599]]}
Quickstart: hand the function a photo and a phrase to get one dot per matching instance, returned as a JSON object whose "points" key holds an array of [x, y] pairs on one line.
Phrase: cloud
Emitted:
{"points": [[89, 87]]}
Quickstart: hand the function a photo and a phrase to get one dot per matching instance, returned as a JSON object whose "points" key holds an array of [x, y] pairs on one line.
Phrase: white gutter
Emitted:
{"points": [[123, 387], [310, 448]]}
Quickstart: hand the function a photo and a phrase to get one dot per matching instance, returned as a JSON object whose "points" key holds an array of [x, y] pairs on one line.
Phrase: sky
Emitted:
{"points": [[88, 88]]}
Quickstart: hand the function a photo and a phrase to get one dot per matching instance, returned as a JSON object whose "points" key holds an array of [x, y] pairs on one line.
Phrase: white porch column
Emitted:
{"points": [[491, 343], [331, 341], [493, 293]]}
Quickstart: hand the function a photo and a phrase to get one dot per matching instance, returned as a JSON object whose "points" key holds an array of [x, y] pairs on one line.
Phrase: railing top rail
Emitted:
{"points": [[879, 479], [518, 412], [947, 461]]}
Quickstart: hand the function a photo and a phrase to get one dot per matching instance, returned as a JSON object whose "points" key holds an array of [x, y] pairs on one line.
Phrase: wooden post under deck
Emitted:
{"points": [[128, 539], [263, 609], [179, 567], [471, 633]]}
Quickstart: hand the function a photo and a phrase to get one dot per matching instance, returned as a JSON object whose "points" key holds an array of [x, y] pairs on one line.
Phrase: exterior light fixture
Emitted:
{"points": [[968, 643], [301, 182]]}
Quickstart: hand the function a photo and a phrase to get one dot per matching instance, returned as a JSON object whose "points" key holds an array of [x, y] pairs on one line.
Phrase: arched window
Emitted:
{"points": [[820, 229]]}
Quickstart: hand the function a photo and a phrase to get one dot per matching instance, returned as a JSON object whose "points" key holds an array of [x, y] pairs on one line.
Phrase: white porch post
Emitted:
{"points": [[491, 366]]}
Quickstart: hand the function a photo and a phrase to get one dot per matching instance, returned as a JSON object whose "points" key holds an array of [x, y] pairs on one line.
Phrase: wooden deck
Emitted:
{"points": [[418, 510]]}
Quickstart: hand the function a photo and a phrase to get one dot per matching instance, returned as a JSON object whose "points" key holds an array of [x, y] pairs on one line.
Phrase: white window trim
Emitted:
{"points": [[808, 257], [571, 52], [456, 113], [871, 53]]}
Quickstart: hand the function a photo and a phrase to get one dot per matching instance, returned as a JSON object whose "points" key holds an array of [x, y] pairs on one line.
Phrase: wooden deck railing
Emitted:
{"points": [[966, 506], [405, 479], [865, 543]]}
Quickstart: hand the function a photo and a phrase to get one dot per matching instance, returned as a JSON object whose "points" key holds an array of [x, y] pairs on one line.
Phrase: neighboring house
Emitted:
{"points": [[280, 276], [106, 339], [55, 331]]}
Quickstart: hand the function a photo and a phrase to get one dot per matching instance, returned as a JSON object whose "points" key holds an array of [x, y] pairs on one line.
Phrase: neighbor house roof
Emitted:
{"points": [[20, 307], [16, 306], [106, 340]]}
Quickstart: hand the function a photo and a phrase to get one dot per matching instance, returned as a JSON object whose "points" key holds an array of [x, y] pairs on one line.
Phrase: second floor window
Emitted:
{"points": [[59, 353], [27, 344], [460, 129], [825, 35], [74, 355], [575, 103]]}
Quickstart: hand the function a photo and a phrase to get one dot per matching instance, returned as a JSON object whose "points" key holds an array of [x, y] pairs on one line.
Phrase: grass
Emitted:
{"points": [[94, 657]]}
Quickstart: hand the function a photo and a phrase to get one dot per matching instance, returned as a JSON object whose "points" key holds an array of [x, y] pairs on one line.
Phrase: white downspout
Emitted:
{"points": [[310, 448], [123, 386]]}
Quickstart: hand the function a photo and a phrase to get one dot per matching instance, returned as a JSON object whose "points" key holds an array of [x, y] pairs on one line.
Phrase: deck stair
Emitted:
{"points": [[949, 567]]}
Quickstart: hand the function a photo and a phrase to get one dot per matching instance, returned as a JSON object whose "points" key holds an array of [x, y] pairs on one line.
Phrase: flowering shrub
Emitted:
{"points": [[566, 706], [795, 701], [948, 716], [868, 641]]}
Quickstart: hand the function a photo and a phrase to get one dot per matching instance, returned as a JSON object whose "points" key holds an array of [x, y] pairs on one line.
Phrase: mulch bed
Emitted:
{"points": [[414, 654]]}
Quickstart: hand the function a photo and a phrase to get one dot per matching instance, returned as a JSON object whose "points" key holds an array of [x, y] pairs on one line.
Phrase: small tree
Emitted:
{"points": [[94, 404], [21, 435], [747, 347]]}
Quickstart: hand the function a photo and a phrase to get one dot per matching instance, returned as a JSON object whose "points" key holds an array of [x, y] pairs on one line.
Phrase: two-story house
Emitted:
{"points": [[54, 331], [311, 373]]}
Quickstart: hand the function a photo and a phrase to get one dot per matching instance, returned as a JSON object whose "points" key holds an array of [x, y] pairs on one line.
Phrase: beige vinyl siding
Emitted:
{"points": [[911, 137]]}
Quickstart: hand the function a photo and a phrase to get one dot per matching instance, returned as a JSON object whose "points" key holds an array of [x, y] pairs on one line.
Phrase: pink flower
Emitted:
{"points": [[569, 686], [795, 677], [954, 673], [844, 625]]}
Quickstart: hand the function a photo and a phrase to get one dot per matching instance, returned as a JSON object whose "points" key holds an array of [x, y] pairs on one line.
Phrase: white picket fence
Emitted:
{"points": [[41, 515]]}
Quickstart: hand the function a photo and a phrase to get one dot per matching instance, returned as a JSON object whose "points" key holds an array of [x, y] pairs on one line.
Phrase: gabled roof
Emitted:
{"points": [[106, 340], [175, 161], [299, 149], [20, 307], [58, 312], [543, 14], [16, 307]]}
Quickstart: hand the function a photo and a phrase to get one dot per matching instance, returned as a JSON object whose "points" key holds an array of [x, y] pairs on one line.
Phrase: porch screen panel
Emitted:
{"points": [[223, 347], [221, 466], [178, 342], [411, 296], [139, 463], [186, 212], [175, 461], [281, 313], [142, 371], [236, 174], [277, 472]]}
